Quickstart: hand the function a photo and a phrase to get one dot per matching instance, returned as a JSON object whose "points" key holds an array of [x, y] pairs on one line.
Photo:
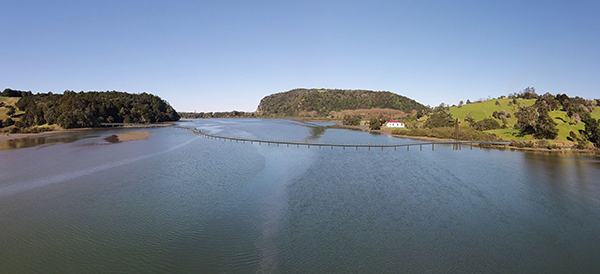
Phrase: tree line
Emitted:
{"points": [[89, 109]]}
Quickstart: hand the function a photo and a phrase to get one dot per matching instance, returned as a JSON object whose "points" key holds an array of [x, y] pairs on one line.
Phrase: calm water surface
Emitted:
{"points": [[178, 203]]}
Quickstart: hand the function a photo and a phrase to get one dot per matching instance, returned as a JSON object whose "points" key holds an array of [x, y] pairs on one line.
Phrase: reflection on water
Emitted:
{"points": [[37, 141], [316, 132]]}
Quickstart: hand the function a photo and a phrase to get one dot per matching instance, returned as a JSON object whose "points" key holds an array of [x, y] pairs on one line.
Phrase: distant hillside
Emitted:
{"points": [[320, 102]]}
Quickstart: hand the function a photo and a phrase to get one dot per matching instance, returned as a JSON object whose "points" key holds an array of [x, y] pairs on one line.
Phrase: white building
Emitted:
{"points": [[394, 123]]}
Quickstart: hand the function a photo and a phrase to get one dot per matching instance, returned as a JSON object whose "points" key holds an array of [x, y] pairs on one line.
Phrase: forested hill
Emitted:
{"points": [[321, 102], [89, 109]]}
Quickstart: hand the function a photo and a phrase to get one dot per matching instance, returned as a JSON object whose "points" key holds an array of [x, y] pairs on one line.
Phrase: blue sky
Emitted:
{"points": [[227, 55]]}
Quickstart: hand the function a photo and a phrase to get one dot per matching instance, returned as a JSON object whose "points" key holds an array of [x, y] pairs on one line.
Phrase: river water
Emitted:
{"points": [[179, 203]]}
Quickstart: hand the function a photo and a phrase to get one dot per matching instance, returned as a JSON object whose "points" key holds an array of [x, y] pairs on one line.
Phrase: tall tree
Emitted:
{"points": [[536, 120], [439, 118]]}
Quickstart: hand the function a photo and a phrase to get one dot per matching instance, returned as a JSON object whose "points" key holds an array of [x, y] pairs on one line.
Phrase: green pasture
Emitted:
{"points": [[9, 101], [480, 111]]}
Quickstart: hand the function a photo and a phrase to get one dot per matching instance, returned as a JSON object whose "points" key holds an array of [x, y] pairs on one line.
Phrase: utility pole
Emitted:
{"points": [[456, 134]]}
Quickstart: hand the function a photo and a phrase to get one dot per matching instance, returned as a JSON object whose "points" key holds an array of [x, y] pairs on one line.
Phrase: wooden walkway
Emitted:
{"points": [[457, 144]]}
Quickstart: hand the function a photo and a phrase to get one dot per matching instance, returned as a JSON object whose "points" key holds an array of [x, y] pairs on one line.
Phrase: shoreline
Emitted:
{"points": [[11, 136], [138, 135], [593, 152], [127, 136]]}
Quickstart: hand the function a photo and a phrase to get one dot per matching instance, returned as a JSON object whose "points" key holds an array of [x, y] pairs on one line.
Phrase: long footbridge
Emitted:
{"points": [[457, 144]]}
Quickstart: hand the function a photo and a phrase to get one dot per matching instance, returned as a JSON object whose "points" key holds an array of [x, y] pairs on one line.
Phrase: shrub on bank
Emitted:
{"points": [[528, 144], [465, 133]]}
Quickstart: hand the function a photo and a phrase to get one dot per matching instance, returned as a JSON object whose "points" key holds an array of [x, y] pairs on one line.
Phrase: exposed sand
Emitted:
{"points": [[130, 136]]}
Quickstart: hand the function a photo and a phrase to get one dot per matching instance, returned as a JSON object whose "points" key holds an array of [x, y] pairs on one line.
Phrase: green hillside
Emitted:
{"points": [[321, 102], [482, 110], [6, 102]]}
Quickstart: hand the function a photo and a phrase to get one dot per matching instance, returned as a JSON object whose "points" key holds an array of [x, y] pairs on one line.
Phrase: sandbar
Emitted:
{"points": [[131, 136]]}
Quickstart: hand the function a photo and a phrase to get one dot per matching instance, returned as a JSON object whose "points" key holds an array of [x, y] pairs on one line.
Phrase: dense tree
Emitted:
{"points": [[545, 127], [14, 93], [8, 122], [89, 109], [11, 111], [536, 120], [527, 93], [550, 100], [352, 120], [439, 118], [486, 124], [526, 119], [592, 129], [323, 101], [374, 123]]}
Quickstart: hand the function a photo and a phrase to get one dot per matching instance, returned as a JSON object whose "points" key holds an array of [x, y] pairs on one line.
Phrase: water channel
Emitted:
{"points": [[179, 203]]}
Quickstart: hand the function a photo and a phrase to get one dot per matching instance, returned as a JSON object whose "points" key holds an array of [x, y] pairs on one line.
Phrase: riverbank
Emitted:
{"points": [[11, 136], [562, 150], [121, 137]]}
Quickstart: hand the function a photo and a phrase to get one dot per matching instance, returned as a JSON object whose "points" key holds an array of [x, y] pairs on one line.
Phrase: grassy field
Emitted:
{"points": [[480, 111], [8, 101]]}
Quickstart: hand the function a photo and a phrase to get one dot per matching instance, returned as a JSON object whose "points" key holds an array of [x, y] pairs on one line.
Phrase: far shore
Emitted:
{"points": [[388, 131]]}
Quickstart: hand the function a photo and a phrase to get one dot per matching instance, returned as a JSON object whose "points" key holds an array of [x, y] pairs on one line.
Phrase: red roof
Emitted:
{"points": [[393, 121]]}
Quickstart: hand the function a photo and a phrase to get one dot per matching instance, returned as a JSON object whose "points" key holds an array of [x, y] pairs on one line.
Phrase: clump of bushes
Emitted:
{"points": [[485, 124], [537, 144], [527, 144], [352, 120], [465, 133]]}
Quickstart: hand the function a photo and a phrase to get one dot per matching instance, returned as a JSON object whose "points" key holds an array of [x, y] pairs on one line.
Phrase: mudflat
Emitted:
{"points": [[130, 136]]}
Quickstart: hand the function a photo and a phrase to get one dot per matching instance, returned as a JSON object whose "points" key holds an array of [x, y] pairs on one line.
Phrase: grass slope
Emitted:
{"points": [[9, 101], [480, 111]]}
